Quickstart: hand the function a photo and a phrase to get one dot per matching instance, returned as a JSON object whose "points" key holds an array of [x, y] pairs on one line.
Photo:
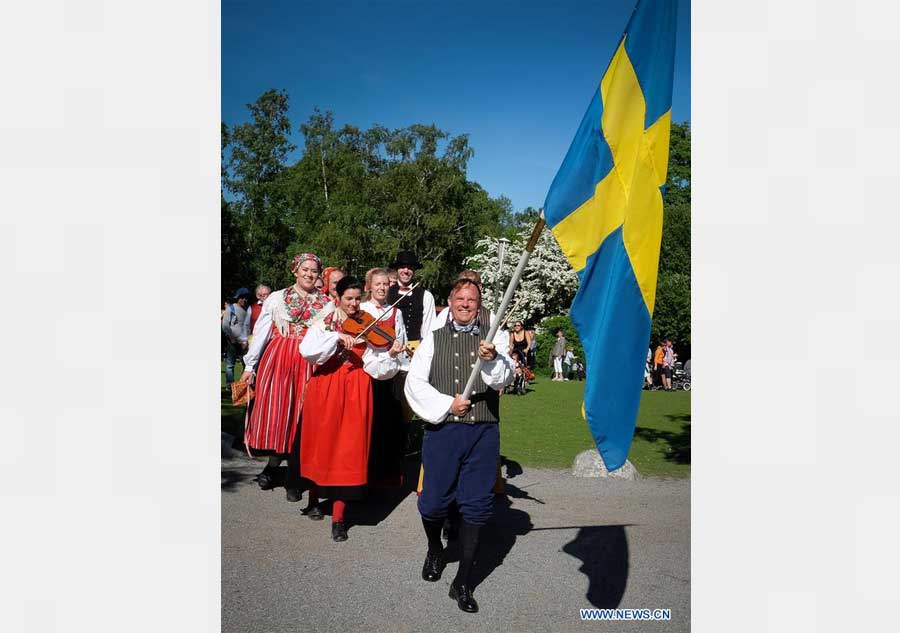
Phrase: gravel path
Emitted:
{"points": [[560, 545]]}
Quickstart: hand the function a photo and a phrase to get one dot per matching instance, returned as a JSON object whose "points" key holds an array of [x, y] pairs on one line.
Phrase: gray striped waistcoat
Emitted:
{"points": [[454, 355]]}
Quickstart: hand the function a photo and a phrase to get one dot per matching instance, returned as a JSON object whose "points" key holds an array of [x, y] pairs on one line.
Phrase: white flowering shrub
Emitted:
{"points": [[548, 284]]}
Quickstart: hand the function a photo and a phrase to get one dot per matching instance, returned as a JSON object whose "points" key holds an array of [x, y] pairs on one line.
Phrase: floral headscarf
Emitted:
{"points": [[302, 257], [325, 275]]}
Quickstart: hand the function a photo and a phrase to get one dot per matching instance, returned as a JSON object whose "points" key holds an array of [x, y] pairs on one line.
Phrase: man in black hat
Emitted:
{"points": [[233, 322], [417, 307]]}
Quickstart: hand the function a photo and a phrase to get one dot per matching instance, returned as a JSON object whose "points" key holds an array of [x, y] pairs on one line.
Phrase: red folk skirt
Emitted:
{"points": [[280, 380], [337, 428]]}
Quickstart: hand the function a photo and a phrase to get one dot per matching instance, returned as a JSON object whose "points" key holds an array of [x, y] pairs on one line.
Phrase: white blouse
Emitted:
{"points": [[399, 328], [274, 313], [320, 345]]}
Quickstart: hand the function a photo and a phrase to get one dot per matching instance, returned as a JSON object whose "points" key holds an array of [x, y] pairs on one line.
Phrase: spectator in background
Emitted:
{"points": [[253, 311], [659, 357], [687, 368], [392, 276], [668, 363], [568, 361], [233, 323], [532, 349], [557, 354], [225, 306], [648, 370], [519, 340]]}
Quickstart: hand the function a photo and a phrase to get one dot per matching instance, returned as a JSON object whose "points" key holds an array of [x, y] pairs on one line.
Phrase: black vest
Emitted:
{"points": [[454, 355], [411, 306]]}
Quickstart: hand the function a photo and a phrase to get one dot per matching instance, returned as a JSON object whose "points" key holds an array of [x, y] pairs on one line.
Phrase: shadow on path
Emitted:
{"points": [[231, 477], [499, 535], [603, 551], [381, 502], [679, 444]]}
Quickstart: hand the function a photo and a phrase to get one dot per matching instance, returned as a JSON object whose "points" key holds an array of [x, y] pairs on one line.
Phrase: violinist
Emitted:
{"points": [[337, 415], [388, 427]]}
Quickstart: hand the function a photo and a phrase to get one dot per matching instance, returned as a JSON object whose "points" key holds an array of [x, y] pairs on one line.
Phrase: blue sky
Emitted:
{"points": [[516, 76]]}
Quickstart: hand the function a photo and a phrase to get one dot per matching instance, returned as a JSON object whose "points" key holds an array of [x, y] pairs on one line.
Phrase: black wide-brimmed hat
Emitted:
{"points": [[405, 259]]}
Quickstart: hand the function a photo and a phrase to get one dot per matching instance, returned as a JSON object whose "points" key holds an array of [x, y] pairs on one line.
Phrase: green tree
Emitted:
{"points": [[255, 166], [367, 194], [672, 312]]}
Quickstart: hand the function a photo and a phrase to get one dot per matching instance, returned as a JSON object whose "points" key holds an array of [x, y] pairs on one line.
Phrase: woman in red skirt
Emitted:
{"points": [[281, 372], [337, 416]]}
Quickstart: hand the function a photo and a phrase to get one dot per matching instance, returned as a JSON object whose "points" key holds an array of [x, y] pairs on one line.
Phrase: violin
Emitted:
{"points": [[364, 325]]}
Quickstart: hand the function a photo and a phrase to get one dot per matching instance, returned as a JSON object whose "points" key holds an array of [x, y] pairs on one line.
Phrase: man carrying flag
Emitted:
{"points": [[605, 209]]}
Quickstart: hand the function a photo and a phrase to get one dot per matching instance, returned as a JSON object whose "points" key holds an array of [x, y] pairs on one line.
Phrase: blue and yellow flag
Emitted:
{"points": [[605, 208]]}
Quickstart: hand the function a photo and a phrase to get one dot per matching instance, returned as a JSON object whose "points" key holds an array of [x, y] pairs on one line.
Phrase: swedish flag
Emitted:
{"points": [[605, 209]]}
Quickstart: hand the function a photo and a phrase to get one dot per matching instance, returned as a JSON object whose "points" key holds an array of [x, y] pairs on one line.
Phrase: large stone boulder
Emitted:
{"points": [[590, 464]]}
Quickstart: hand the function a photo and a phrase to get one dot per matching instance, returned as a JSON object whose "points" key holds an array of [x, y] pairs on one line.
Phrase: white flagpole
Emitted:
{"points": [[510, 291]]}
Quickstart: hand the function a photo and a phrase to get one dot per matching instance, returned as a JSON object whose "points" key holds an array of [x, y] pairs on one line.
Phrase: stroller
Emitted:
{"points": [[518, 385], [680, 378]]}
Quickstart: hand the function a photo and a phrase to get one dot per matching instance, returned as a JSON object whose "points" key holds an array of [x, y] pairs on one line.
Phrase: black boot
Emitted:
{"points": [[338, 531], [433, 567], [293, 494], [463, 596], [434, 560], [461, 587], [314, 511]]}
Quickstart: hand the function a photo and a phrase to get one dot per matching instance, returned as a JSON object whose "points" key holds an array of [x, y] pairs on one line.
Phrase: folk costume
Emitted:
{"points": [[337, 419], [273, 420], [459, 454], [418, 311], [388, 426], [486, 317]]}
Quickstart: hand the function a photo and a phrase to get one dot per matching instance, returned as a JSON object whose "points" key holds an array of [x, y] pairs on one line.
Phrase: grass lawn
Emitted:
{"points": [[544, 428]]}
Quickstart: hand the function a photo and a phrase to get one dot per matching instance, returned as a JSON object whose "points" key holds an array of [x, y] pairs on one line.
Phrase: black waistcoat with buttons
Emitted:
{"points": [[412, 307], [454, 355]]}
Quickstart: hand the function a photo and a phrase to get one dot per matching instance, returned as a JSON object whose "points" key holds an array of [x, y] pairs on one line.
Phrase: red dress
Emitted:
{"points": [[337, 426], [281, 377]]}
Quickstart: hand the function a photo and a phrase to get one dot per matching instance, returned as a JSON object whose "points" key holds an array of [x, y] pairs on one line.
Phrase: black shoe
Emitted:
{"points": [[265, 480], [463, 596], [433, 567], [313, 512], [338, 531], [293, 494]]}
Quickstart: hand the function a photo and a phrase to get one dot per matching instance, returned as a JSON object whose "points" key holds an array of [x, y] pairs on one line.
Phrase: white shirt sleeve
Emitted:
{"points": [[427, 313], [499, 372], [379, 364], [318, 345], [262, 332], [428, 403], [400, 328]]}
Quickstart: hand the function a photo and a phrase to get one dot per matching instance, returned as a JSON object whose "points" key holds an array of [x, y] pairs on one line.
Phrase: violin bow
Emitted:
{"points": [[362, 334]]}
